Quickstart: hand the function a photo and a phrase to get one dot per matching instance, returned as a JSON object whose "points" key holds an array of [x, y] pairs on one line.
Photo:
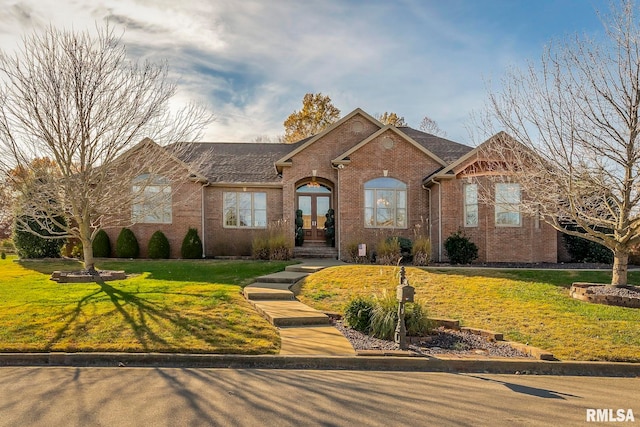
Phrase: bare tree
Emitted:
{"points": [[76, 99], [574, 122], [6, 216], [427, 124]]}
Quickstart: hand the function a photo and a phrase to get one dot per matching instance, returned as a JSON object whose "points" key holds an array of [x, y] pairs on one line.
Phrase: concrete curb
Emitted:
{"points": [[372, 363]]}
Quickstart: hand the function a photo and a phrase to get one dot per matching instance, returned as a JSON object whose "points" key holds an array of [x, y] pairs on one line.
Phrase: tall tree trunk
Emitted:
{"points": [[87, 247], [620, 264]]}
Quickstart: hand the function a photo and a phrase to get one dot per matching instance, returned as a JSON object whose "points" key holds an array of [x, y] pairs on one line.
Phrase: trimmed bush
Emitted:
{"points": [[299, 229], [583, 250], [330, 227], [72, 248], [159, 246], [28, 245], [388, 251], [101, 245], [357, 314], [460, 249], [421, 251], [3, 255], [127, 244], [191, 245]]}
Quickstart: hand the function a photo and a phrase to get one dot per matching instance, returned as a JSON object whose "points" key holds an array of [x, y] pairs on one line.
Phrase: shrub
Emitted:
{"points": [[7, 245], [330, 227], [191, 245], [273, 244], [460, 249], [28, 245], [299, 229], [159, 246], [101, 245], [352, 254], [127, 244], [416, 321], [357, 314], [583, 250], [72, 248], [260, 247], [384, 317], [3, 255], [421, 251], [388, 251]]}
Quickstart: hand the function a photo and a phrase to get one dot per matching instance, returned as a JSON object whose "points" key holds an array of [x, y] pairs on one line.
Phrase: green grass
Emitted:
{"points": [[166, 306], [528, 306]]}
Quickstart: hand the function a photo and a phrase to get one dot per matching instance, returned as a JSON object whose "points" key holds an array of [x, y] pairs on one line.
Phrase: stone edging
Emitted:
{"points": [[581, 291], [538, 353]]}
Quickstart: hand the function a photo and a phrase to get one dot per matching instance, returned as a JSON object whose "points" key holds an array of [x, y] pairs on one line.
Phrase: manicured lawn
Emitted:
{"points": [[167, 306], [528, 306]]}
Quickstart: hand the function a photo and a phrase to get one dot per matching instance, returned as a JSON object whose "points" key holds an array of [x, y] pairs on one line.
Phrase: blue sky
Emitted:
{"points": [[252, 61]]}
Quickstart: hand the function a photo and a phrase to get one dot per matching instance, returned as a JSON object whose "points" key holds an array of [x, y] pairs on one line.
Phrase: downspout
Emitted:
{"points": [[202, 212], [439, 220], [337, 229], [429, 199]]}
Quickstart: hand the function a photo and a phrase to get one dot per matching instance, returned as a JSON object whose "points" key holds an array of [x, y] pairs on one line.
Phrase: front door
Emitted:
{"points": [[314, 202]]}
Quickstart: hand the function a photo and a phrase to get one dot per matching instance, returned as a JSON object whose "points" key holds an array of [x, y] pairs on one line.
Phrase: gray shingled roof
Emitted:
{"points": [[238, 162], [447, 150], [255, 162]]}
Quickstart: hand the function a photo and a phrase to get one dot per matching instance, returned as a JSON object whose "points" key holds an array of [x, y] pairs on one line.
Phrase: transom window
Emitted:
{"points": [[471, 205], [508, 205], [151, 199], [385, 203], [245, 209]]}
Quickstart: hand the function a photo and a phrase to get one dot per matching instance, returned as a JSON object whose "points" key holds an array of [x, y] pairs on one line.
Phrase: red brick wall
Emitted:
{"points": [[318, 157], [235, 241], [402, 161], [186, 213], [526, 243]]}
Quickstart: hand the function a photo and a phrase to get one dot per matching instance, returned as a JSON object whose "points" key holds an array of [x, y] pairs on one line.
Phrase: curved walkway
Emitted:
{"points": [[303, 330]]}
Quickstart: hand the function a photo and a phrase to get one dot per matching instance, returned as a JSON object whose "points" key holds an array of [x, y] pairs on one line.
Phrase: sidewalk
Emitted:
{"points": [[303, 330]]}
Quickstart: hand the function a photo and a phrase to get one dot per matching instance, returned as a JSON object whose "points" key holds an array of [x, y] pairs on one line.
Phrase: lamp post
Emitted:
{"points": [[404, 293]]}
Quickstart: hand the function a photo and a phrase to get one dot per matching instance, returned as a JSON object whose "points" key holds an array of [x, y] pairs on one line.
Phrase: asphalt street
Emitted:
{"points": [[70, 396]]}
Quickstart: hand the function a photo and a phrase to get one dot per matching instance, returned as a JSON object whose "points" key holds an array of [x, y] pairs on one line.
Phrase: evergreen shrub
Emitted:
{"points": [[191, 245], [127, 244], [101, 245], [460, 249], [159, 246]]}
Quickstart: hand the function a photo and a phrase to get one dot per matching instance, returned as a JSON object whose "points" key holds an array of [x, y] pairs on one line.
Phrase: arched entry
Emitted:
{"points": [[314, 199]]}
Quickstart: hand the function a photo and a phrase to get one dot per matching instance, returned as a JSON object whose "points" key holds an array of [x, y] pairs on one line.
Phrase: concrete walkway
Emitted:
{"points": [[303, 330]]}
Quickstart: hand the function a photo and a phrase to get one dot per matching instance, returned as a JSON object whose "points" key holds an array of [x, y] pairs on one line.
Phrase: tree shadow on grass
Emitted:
{"points": [[140, 315]]}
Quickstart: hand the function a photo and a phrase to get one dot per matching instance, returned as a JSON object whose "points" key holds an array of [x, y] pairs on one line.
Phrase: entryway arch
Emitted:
{"points": [[314, 197]]}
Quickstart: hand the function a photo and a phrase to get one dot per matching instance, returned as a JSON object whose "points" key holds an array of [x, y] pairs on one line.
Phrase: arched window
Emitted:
{"points": [[151, 199], [385, 203]]}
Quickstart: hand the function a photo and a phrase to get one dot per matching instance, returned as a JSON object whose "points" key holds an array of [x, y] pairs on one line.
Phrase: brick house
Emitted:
{"points": [[380, 180]]}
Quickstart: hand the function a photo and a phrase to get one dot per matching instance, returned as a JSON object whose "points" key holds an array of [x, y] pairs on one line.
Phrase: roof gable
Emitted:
{"points": [[286, 160], [344, 157], [466, 160]]}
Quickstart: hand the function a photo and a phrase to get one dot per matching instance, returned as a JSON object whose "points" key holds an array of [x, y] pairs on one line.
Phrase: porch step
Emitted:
{"points": [[309, 250]]}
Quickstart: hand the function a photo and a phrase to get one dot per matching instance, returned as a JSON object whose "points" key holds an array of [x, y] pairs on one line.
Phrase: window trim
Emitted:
{"points": [[400, 187], [237, 210], [141, 198], [515, 206], [466, 205]]}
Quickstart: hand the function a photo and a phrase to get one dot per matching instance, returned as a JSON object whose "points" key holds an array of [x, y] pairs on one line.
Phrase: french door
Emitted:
{"points": [[314, 208]]}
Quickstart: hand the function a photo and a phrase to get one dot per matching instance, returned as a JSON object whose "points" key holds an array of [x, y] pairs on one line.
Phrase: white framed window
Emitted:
{"points": [[507, 205], [385, 203], [245, 210], [471, 205], [151, 199]]}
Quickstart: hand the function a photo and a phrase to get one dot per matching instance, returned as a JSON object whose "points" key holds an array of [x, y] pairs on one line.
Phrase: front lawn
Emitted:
{"points": [[167, 306], [528, 306]]}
